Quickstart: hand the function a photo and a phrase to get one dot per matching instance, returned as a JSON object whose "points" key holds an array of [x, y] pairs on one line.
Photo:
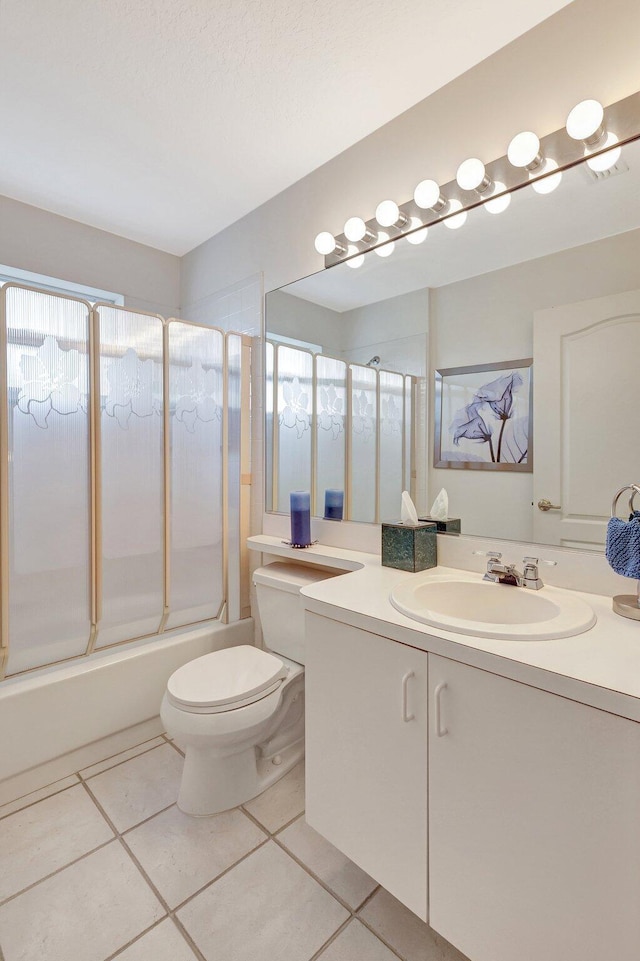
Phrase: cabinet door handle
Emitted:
{"points": [[405, 697], [440, 729]]}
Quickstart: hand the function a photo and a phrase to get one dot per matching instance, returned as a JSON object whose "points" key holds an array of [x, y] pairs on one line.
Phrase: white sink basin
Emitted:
{"points": [[482, 609]]}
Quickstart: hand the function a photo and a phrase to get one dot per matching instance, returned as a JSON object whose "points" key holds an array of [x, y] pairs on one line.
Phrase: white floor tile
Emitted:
{"points": [[139, 788], [40, 795], [181, 854], [162, 943], [408, 935], [84, 913], [40, 839], [119, 758], [340, 874], [267, 907], [356, 943], [281, 802]]}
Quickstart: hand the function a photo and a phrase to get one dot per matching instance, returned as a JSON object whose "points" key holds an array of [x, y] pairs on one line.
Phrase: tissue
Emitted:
{"points": [[440, 507], [408, 512]]}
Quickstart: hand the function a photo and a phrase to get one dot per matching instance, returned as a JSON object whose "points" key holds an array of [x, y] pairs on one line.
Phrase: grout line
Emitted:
{"points": [[244, 857], [333, 937], [45, 798], [380, 938], [185, 934], [138, 824], [174, 746], [288, 824], [57, 871], [118, 763], [315, 877], [137, 938]]}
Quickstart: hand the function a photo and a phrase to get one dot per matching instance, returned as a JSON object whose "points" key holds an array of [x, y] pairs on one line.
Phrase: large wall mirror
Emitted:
{"points": [[520, 330]]}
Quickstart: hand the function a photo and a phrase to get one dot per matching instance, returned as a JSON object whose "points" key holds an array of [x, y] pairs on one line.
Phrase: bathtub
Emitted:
{"points": [[58, 719]]}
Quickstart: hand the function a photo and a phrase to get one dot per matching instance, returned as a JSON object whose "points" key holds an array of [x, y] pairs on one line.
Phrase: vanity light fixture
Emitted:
{"points": [[326, 244], [427, 196], [419, 235], [388, 214], [355, 261], [355, 230], [586, 123], [453, 223], [471, 175], [387, 249], [524, 151]]}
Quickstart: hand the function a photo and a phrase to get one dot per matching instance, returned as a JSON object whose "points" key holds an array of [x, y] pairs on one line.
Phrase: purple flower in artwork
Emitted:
{"points": [[469, 423], [499, 394]]}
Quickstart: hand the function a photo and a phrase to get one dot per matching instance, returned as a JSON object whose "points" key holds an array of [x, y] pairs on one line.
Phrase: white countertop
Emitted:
{"points": [[600, 667]]}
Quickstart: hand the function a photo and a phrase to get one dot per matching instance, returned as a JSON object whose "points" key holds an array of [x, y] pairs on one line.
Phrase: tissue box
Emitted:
{"points": [[452, 525], [409, 548]]}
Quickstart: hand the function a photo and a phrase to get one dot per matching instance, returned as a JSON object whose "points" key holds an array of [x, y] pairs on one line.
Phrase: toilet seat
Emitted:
{"points": [[226, 680]]}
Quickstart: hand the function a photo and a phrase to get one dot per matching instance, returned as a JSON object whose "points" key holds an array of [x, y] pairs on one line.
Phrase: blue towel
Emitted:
{"points": [[623, 545]]}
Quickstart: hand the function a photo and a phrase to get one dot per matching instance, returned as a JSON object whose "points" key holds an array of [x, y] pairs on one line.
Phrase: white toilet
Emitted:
{"points": [[239, 713]]}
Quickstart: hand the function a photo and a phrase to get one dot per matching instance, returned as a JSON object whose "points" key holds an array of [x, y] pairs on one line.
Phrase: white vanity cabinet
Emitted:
{"points": [[366, 724], [534, 822]]}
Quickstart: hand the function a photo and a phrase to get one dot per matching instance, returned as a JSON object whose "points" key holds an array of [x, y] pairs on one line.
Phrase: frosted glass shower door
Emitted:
{"points": [[47, 497], [131, 470], [294, 372], [363, 442], [331, 409], [391, 443], [196, 356]]}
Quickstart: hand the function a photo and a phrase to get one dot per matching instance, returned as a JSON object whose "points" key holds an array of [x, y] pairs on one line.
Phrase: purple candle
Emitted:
{"points": [[333, 504], [300, 518]]}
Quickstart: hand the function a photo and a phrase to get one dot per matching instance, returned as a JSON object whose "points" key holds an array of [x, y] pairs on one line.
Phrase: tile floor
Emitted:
{"points": [[103, 865]]}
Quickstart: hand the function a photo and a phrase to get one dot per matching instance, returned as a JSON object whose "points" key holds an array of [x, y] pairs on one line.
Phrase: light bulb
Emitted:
{"points": [[388, 249], [524, 150], [605, 161], [427, 195], [497, 204], [471, 175], [419, 236], [549, 184], [388, 213], [459, 219], [325, 243], [355, 261], [585, 120], [355, 229]]}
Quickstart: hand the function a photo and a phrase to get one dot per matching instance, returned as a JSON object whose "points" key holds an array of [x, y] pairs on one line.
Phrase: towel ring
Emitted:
{"points": [[630, 487]]}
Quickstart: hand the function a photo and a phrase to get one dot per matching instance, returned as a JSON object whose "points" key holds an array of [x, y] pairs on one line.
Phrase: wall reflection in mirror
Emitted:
{"points": [[554, 278]]}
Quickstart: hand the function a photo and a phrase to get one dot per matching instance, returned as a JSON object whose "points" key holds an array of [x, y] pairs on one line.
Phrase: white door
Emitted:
{"points": [[585, 429], [366, 733], [534, 828]]}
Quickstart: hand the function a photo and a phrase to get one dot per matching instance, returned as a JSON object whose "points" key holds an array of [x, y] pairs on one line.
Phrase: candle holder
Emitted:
{"points": [[333, 504], [300, 502]]}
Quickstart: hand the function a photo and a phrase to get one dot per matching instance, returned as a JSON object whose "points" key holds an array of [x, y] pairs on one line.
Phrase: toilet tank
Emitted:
{"points": [[280, 606]]}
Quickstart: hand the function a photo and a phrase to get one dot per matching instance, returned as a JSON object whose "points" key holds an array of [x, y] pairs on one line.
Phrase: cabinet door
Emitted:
{"points": [[534, 828], [366, 724]]}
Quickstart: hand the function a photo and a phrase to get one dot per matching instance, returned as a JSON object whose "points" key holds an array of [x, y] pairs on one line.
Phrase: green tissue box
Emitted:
{"points": [[409, 548], [452, 525]]}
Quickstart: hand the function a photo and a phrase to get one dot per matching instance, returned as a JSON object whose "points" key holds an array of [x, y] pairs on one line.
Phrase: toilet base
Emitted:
{"points": [[212, 784]]}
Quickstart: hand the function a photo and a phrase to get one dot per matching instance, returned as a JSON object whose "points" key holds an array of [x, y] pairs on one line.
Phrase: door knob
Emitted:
{"points": [[545, 505]]}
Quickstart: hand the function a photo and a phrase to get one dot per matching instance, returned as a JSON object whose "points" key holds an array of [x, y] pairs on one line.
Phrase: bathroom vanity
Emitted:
{"points": [[492, 786]]}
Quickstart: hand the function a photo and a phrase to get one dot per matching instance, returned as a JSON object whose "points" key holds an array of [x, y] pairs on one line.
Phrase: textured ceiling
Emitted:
{"points": [[166, 120]]}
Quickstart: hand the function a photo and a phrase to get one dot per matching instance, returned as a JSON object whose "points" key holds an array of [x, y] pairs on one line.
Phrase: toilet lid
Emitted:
{"points": [[235, 674]]}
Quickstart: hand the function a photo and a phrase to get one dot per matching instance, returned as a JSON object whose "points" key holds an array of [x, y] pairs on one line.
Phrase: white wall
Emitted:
{"points": [[34, 239], [489, 318], [588, 49]]}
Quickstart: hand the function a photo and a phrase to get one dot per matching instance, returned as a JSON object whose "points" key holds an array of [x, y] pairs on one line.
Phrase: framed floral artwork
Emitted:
{"points": [[483, 417]]}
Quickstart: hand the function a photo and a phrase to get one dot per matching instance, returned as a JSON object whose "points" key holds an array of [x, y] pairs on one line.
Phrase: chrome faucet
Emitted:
{"points": [[500, 573]]}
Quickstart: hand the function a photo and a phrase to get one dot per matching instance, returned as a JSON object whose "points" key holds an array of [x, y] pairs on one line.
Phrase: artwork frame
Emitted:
{"points": [[485, 425]]}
